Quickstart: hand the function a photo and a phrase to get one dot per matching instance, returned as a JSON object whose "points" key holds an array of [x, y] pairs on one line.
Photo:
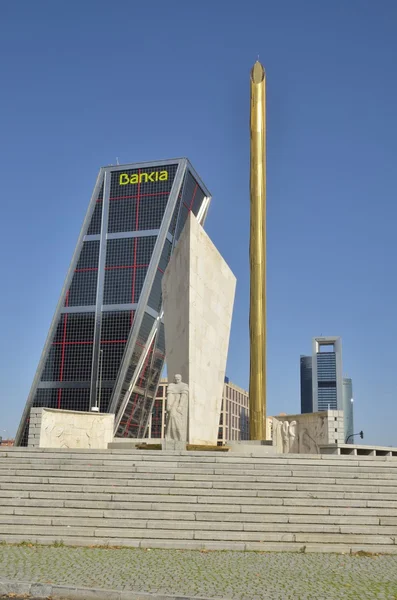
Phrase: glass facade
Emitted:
{"points": [[327, 373], [326, 381], [106, 345], [306, 381], [321, 381]]}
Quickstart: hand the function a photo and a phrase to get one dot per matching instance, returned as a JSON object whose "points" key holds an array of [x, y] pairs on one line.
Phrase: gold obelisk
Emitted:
{"points": [[257, 385]]}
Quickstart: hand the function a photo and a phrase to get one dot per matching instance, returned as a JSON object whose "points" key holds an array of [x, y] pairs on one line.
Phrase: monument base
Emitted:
{"points": [[160, 444], [257, 447], [173, 445]]}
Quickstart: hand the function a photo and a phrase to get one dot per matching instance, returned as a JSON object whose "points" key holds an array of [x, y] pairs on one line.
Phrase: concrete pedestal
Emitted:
{"points": [[173, 445], [254, 447]]}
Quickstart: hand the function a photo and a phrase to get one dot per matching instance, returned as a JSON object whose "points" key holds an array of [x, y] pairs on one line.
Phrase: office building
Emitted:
{"points": [[234, 419], [7, 442], [321, 382], [327, 374], [105, 347]]}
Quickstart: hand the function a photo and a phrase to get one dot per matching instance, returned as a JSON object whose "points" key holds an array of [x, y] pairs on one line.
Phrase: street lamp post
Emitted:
{"points": [[361, 434]]}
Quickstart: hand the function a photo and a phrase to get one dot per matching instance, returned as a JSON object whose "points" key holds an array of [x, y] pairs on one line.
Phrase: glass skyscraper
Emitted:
{"points": [[322, 384], [327, 374], [105, 347]]}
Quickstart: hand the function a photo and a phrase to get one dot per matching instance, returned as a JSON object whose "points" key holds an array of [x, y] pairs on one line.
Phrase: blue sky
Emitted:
{"points": [[86, 82]]}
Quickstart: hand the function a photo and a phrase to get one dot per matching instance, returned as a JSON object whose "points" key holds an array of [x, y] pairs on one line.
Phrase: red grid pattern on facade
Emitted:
{"points": [[63, 343], [84, 269], [157, 415], [65, 321], [145, 366], [134, 196], [135, 242], [157, 351], [192, 200], [138, 196]]}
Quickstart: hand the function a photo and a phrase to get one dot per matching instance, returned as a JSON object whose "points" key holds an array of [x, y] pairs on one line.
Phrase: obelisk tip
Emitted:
{"points": [[257, 72]]}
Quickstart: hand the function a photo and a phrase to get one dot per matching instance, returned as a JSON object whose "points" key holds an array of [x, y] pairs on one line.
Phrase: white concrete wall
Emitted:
{"points": [[198, 296], [34, 427], [72, 429]]}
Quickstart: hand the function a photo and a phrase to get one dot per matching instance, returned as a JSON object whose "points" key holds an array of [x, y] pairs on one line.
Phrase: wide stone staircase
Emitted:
{"points": [[198, 500]]}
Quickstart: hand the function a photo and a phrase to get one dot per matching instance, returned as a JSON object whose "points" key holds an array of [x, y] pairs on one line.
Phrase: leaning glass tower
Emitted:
{"points": [[105, 346]]}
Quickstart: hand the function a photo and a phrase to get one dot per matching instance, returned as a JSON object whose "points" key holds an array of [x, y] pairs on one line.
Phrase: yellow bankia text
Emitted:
{"points": [[154, 176]]}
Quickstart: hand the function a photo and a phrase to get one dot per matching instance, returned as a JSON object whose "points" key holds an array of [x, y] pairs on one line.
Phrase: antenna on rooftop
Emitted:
{"points": [[117, 160]]}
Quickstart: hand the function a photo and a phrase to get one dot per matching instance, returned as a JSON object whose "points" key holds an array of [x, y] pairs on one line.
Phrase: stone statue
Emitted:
{"points": [[285, 436], [307, 444], [177, 409], [304, 435], [293, 437]]}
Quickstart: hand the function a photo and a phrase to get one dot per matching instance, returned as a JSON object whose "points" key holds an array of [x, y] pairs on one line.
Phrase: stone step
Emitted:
{"points": [[203, 462], [88, 492], [213, 501], [67, 452], [87, 525], [381, 512], [273, 505], [286, 537], [183, 534], [208, 456], [188, 486], [278, 462], [186, 474], [290, 515], [234, 457], [210, 545], [160, 495], [30, 475], [233, 488], [268, 479]]}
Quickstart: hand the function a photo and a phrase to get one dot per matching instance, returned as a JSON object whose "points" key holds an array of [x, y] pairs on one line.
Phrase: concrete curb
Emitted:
{"points": [[68, 592]]}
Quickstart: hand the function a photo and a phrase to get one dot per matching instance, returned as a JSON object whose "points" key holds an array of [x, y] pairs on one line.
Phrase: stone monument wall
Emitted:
{"points": [[52, 428], [198, 296], [305, 433]]}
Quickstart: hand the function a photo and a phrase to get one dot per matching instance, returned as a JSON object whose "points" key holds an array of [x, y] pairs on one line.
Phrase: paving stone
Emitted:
{"points": [[188, 574]]}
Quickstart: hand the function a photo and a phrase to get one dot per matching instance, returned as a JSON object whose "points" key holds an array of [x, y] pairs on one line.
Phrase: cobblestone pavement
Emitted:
{"points": [[231, 575]]}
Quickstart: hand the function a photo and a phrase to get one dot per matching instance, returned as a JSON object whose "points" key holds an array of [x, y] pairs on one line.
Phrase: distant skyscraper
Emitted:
{"points": [[322, 384], [348, 408], [306, 384], [327, 374], [105, 346]]}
